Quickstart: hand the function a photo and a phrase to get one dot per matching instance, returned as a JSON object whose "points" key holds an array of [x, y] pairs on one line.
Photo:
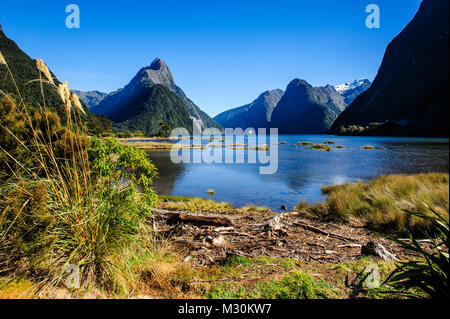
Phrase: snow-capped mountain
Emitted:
{"points": [[351, 90]]}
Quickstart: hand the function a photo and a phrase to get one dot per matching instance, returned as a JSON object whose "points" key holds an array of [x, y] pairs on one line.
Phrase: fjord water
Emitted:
{"points": [[301, 172]]}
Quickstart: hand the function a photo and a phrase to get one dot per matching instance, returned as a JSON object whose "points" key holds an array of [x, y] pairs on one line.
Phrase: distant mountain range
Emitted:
{"points": [[305, 109], [150, 98], [351, 90], [90, 98], [409, 95], [301, 109], [257, 114]]}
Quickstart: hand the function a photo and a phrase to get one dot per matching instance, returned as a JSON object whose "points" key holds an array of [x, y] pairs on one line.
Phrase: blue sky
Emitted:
{"points": [[223, 54]]}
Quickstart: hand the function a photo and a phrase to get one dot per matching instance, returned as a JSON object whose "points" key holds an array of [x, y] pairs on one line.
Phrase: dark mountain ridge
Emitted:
{"points": [[410, 92], [304, 109], [257, 114]]}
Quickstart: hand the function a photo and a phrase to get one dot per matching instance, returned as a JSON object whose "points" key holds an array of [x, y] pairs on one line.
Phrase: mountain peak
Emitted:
{"points": [[158, 64], [157, 73], [296, 83]]}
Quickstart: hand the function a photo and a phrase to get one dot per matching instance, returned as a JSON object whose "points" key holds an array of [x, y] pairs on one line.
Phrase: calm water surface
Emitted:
{"points": [[301, 172]]}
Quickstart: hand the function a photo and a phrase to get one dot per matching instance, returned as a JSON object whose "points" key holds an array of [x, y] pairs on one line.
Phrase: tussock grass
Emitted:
{"points": [[304, 143], [67, 199], [263, 147], [367, 147], [381, 202], [254, 209], [194, 204], [321, 147], [197, 205]]}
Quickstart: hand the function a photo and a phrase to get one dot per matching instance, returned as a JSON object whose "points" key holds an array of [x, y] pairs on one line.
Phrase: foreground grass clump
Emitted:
{"points": [[295, 285], [381, 202], [67, 199]]}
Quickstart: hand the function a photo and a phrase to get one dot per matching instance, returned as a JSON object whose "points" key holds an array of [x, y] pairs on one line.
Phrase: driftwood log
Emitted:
{"points": [[322, 232], [373, 248], [174, 218]]}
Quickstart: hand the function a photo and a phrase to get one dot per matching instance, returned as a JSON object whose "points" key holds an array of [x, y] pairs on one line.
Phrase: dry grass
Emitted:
{"points": [[148, 145], [381, 202], [263, 147], [304, 143], [367, 147], [196, 205], [324, 147]]}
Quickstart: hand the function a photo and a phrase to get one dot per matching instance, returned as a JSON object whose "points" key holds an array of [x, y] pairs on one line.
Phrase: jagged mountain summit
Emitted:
{"points": [[409, 95], [117, 104], [305, 109], [257, 114], [351, 90], [90, 98]]}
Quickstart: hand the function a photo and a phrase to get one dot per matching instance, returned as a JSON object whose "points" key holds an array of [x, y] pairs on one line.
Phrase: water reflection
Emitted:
{"points": [[301, 172]]}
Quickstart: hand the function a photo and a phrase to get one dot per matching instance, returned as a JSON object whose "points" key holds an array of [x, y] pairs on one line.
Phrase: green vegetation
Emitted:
{"points": [[197, 205], [387, 128], [68, 199], [295, 285], [148, 109], [165, 129], [381, 202], [426, 276]]}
